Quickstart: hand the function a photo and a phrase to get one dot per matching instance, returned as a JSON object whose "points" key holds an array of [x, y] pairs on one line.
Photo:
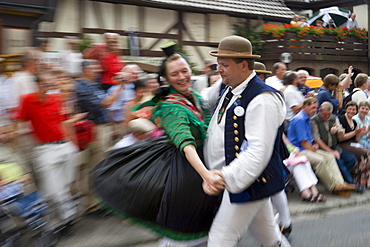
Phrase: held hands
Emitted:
{"points": [[213, 183]]}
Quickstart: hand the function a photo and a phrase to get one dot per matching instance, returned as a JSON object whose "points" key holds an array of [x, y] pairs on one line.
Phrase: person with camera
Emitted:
{"points": [[116, 112]]}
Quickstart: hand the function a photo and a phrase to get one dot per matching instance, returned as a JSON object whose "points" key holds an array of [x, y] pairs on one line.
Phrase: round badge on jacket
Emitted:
{"points": [[239, 111]]}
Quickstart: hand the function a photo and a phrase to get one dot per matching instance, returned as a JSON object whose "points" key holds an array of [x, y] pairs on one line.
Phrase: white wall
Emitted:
{"points": [[362, 15]]}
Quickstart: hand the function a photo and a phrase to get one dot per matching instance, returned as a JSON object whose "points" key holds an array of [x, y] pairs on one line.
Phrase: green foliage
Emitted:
{"points": [[85, 42], [193, 66], [244, 29]]}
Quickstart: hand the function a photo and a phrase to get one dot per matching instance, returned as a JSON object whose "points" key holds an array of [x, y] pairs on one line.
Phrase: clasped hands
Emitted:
{"points": [[213, 183]]}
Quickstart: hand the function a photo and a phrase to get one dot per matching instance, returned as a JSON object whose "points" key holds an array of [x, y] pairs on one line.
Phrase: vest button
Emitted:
{"points": [[264, 180], [235, 117], [236, 147], [236, 154], [235, 125], [236, 132], [236, 139], [258, 180], [239, 96]]}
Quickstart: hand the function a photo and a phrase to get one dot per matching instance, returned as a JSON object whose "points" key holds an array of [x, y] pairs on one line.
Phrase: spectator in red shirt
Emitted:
{"points": [[54, 151], [108, 56]]}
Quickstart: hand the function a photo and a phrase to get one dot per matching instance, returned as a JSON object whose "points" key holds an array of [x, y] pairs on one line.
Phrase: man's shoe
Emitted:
{"points": [[286, 231], [345, 187], [343, 194]]}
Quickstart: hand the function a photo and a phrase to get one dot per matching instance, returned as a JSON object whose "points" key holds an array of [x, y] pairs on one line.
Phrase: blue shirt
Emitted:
{"points": [[89, 98], [300, 129], [118, 107], [304, 89], [325, 95]]}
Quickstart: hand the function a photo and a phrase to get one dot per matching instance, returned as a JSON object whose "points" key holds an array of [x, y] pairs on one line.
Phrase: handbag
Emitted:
{"points": [[84, 133]]}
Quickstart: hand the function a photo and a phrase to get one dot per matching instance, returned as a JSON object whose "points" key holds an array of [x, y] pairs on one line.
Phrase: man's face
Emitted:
{"points": [[302, 78], [353, 16], [112, 43], [324, 114], [310, 109], [280, 71], [92, 71], [230, 72]]}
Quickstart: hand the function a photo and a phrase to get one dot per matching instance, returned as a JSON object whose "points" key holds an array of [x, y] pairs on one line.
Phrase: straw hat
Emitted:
{"points": [[234, 47], [260, 68]]}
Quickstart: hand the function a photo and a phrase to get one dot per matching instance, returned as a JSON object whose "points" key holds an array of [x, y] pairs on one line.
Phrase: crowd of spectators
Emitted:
{"points": [[42, 107]]}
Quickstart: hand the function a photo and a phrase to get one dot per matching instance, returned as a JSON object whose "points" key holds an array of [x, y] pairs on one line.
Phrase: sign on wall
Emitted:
{"points": [[15, 40]]}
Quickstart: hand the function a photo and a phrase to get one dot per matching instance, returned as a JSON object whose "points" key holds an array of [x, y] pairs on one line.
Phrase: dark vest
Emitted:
{"points": [[324, 134], [272, 178]]}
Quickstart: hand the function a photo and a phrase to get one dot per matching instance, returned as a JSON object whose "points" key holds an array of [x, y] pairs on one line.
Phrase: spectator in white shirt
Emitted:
{"points": [[361, 83], [276, 81], [352, 23]]}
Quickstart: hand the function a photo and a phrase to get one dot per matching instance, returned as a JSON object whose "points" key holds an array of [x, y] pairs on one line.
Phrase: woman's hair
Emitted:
{"points": [[364, 103], [171, 58], [139, 84], [351, 103]]}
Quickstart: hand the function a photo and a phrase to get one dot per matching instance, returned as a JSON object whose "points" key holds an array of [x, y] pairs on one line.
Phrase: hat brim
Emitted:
{"points": [[236, 55], [262, 71]]}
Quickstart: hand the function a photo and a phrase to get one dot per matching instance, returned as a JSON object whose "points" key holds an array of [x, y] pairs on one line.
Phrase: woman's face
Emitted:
{"points": [[363, 111], [351, 111], [179, 75]]}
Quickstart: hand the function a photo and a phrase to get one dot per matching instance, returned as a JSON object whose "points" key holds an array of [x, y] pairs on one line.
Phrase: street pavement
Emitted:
{"points": [[110, 231]]}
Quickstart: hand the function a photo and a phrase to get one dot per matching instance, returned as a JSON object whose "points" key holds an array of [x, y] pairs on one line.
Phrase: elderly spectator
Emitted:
{"points": [[361, 84], [302, 78], [276, 81], [54, 151], [116, 111], [326, 129], [108, 56], [293, 97], [332, 91], [323, 163], [92, 99], [352, 23]]}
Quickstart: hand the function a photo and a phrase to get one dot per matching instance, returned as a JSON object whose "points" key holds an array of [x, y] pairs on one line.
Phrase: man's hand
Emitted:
{"points": [[214, 183], [334, 129], [336, 154], [315, 147]]}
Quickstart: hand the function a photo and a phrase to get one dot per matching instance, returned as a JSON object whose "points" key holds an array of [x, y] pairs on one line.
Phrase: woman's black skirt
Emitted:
{"points": [[152, 181]]}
